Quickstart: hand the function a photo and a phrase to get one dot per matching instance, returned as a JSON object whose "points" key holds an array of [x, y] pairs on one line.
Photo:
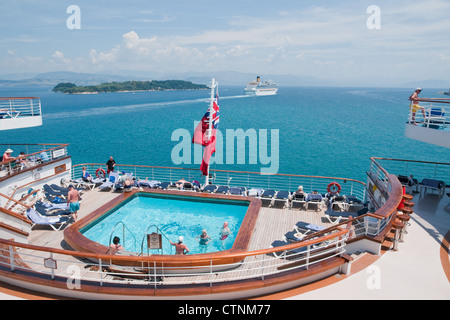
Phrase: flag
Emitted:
{"points": [[200, 132], [201, 136], [207, 153]]}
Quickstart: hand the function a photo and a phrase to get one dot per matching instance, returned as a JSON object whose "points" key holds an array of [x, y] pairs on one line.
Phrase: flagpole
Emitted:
{"points": [[213, 86]]}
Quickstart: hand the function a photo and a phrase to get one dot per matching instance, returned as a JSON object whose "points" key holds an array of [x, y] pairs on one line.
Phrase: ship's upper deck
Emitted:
{"points": [[430, 122], [20, 112]]}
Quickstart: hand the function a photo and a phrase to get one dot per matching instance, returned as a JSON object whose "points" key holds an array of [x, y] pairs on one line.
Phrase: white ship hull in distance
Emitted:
{"points": [[261, 88]]}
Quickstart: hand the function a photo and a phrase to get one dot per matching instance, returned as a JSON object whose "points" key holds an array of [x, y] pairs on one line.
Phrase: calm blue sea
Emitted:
{"points": [[322, 131]]}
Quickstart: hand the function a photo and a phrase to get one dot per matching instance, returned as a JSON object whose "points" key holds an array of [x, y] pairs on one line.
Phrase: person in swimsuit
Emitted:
{"points": [[203, 239], [180, 247], [415, 105], [116, 244], [73, 201], [85, 175], [225, 232]]}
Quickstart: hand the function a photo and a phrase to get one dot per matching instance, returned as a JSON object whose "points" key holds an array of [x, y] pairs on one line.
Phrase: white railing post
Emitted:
{"points": [[154, 274], [100, 271], [308, 254], [262, 267], [11, 258], [210, 272]]}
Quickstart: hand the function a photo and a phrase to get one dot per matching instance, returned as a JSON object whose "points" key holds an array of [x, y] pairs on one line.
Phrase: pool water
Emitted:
{"points": [[174, 216]]}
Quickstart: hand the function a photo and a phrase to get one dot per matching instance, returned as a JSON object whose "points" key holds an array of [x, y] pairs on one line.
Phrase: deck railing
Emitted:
{"points": [[74, 268], [33, 155], [434, 113], [53, 263], [288, 182], [418, 169], [17, 107]]}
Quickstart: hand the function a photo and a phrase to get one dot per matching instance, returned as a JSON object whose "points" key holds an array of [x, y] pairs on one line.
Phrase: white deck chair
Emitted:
{"points": [[38, 219]]}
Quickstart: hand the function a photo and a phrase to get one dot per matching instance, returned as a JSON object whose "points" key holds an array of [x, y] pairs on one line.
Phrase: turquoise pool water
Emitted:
{"points": [[174, 216]]}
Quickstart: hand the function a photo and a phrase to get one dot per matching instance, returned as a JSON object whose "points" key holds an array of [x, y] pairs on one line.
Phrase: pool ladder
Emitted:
{"points": [[123, 234], [158, 230], [134, 237]]}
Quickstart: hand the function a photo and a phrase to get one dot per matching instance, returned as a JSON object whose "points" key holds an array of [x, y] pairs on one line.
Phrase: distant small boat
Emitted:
{"points": [[261, 88]]}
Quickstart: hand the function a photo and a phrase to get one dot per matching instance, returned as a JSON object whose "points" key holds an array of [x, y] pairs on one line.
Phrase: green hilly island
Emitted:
{"points": [[154, 85]]}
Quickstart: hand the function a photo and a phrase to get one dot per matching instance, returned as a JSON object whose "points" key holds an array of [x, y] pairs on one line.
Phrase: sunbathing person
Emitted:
{"points": [[128, 185], [180, 183], [314, 196], [86, 175]]}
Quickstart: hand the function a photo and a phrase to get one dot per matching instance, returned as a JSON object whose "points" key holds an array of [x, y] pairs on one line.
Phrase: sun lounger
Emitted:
{"points": [[433, 185], [286, 253], [299, 201], [210, 188], [338, 202], [51, 212], [38, 219], [281, 199], [53, 192], [340, 215], [255, 192], [238, 191], [222, 189], [164, 185], [314, 204], [53, 199], [408, 182], [267, 197], [294, 236], [435, 116], [65, 190], [112, 183], [309, 227], [84, 184]]}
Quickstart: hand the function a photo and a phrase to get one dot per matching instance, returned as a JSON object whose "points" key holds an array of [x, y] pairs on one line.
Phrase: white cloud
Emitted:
{"points": [[59, 57], [325, 41]]}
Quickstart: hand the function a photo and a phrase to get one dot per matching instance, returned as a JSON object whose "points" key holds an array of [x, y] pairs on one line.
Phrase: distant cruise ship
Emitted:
{"points": [[261, 88]]}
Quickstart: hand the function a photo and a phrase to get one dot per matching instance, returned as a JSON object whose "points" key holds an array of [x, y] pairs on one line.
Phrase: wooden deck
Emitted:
{"points": [[271, 225]]}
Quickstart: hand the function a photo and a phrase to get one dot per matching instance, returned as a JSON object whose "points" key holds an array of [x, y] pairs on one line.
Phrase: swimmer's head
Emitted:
{"points": [[204, 231], [225, 224], [180, 239]]}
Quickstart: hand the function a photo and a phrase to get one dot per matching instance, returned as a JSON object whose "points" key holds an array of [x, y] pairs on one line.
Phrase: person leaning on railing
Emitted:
{"points": [[415, 105]]}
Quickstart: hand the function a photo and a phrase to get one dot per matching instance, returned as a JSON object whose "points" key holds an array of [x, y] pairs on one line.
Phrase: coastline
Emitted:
{"points": [[130, 91]]}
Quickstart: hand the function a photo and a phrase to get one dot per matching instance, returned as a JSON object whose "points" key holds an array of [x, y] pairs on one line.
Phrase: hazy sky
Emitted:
{"points": [[336, 40]]}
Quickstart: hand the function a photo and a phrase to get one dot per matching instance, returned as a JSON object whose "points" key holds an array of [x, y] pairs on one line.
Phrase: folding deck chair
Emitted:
{"points": [[210, 188], [37, 219], [286, 253], [222, 189], [343, 215], [52, 211], [299, 201], [281, 199], [238, 191], [267, 196]]}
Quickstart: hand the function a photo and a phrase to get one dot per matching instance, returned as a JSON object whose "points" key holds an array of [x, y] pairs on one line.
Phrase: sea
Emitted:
{"points": [[325, 131]]}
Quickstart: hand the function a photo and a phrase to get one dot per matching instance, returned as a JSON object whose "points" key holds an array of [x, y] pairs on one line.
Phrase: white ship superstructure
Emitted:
{"points": [[261, 88]]}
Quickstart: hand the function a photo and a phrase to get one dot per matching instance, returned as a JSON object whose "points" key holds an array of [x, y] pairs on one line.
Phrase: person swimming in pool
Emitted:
{"points": [[225, 232], [203, 239], [180, 247]]}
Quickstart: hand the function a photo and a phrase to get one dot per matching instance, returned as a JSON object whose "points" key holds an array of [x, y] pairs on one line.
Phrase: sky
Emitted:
{"points": [[379, 42]]}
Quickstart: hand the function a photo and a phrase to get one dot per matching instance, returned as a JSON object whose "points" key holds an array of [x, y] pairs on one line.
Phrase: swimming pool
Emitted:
{"points": [[174, 216]]}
